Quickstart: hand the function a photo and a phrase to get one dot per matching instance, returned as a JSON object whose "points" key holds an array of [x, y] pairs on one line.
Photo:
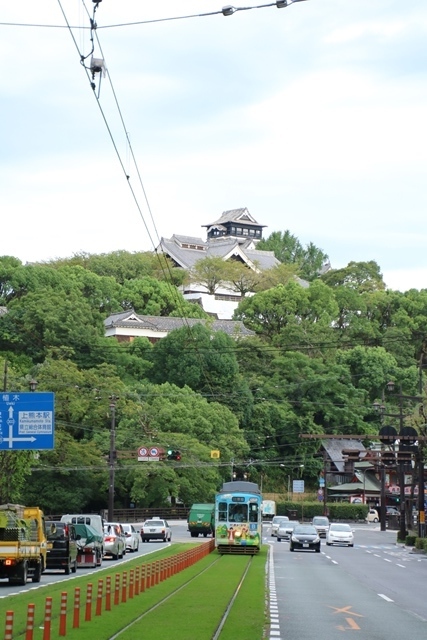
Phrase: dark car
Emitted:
{"points": [[306, 537], [61, 546]]}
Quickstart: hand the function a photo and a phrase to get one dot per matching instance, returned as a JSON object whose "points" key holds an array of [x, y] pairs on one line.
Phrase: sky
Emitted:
{"points": [[312, 116]]}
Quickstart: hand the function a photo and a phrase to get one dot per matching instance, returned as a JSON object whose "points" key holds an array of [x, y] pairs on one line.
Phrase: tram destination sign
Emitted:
{"points": [[26, 420]]}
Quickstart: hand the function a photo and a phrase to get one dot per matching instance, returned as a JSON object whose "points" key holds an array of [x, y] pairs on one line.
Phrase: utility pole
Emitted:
{"points": [[112, 458]]}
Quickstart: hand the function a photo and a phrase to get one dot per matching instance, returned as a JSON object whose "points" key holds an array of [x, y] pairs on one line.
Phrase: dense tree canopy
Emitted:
{"points": [[288, 250], [321, 358]]}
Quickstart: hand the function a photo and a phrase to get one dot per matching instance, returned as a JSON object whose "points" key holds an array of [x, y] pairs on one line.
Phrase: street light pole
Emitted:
{"points": [[112, 458], [325, 491]]}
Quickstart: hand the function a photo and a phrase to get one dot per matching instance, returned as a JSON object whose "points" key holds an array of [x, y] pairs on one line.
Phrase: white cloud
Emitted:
{"points": [[313, 117]]}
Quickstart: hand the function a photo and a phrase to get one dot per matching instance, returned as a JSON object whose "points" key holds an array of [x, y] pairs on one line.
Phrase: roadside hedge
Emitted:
{"points": [[336, 510]]}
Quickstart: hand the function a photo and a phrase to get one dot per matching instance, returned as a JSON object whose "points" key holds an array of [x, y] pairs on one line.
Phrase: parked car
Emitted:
{"points": [[132, 537], [340, 533], [306, 537], [114, 540], [61, 546], [156, 529], [277, 520], [321, 524], [373, 516], [285, 530]]}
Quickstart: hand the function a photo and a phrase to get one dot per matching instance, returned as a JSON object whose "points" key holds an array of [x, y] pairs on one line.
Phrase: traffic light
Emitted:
{"points": [[174, 455]]}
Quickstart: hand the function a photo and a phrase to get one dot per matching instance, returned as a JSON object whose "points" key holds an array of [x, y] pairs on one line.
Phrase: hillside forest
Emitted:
{"points": [[320, 358]]}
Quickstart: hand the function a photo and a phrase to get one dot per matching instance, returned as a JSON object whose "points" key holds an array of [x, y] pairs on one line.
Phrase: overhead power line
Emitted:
{"points": [[227, 10]]}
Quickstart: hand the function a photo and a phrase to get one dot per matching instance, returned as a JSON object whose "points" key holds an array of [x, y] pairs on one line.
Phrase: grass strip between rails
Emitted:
{"points": [[194, 612], [247, 616], [18, 603]]}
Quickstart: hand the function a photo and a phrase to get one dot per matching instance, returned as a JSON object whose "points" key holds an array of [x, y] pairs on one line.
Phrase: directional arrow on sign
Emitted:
{"points": [[11, 439]]}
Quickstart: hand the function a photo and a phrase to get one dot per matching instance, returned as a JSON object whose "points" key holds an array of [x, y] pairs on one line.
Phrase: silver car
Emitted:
{"points": [[285, 530], [114, 540], [132, 537], [276, 522]]}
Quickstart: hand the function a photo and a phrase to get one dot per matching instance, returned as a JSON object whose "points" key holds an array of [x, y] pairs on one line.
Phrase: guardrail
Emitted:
{"points": [[139, 515]]}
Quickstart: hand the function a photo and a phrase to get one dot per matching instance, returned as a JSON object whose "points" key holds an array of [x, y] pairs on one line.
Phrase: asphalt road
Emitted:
{"points": [[179, 534], [375, 590]]}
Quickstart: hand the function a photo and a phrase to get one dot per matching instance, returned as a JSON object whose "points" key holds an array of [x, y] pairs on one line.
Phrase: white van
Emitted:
{"points": [[94, 520]]}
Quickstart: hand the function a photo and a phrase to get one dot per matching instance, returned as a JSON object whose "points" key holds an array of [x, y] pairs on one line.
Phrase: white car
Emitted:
{"points": [[276, 522], [132, 537], [340, 533], [156, 529], [373, 516]]}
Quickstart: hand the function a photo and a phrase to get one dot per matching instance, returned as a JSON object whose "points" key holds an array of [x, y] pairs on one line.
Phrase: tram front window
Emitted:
{"points": [[238, 513], [222, 512], [253, 513]]}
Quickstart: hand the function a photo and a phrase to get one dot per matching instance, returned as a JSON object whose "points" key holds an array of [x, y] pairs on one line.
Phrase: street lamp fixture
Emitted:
{"points": [[32, 385]]}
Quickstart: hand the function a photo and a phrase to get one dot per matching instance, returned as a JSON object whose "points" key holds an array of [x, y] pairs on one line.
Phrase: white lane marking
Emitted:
{"points": [[387, 560], [400, 565], [381, 595]]}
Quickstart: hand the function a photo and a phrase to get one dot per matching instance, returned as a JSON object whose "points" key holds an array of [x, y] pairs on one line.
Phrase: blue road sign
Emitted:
{"points": [[26, 420]]}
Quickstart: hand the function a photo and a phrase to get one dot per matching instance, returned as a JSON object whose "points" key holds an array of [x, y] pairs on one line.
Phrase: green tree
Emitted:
{"points": [[361, 276], [46, 319], [289, 250], [211, 272], [196, 357], [241, 278], [15, 467], [72, 478], [149, 296], [123, 266], [271, 312]]}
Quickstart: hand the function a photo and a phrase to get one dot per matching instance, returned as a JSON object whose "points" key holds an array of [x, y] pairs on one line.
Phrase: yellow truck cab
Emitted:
{"points": [[23, 543]]}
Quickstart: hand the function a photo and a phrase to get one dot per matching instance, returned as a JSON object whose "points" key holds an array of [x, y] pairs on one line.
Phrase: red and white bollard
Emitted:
{"points": [[88, 612], [47, 619], [8, 630], [99, 597], [63, 615], [76, 610], [30, 622]]}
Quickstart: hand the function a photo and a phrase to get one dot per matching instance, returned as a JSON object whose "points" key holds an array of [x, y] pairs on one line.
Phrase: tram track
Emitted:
{"points": [[216, 567], [229, 607]]}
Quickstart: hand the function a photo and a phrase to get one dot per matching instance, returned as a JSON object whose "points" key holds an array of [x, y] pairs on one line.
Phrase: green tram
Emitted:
{"points": [[238, 525]]}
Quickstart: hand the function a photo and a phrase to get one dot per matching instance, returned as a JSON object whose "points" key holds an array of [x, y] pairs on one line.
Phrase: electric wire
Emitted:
{"points": [[151, 21], [164, 263]]}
